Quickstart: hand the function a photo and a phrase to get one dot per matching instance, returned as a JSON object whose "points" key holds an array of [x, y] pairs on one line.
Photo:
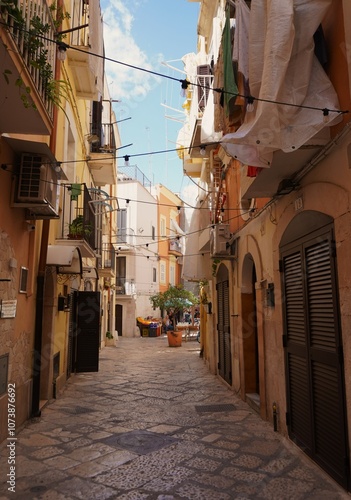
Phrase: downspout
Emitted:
{"points": [[39, 309]]}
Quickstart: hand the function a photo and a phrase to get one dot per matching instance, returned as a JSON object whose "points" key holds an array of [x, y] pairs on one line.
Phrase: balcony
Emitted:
{"points": [[125, 286], [79, 226], [175, 247], [87, 69], [199, 100], [107, 262], [101, 159], [26, 105]]}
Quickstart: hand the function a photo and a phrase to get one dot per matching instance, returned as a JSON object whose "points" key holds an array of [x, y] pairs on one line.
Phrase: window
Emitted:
{"points": [[172, 274], [122, 226], [154, 274], [121, 267], [163, 273], [163, 226], [23, 280], [121, 271], [153, 232]]}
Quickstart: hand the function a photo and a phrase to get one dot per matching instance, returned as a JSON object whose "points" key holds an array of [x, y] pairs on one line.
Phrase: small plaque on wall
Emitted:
{"points": [[8, 308]]}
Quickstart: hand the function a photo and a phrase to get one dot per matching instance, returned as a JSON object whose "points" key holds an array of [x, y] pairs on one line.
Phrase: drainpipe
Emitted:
{"points": [[39, 309]]}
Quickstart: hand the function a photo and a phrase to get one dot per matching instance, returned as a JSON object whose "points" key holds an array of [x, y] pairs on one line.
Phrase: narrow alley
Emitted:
{"points": [[153, 423]]}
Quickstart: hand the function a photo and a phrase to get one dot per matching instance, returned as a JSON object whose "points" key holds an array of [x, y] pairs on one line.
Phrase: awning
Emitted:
{"points": [[176, 228], [39, 148], [67, 259], [90, 273]]}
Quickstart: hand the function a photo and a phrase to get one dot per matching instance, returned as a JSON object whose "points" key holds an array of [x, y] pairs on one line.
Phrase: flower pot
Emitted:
{"points": [[174, 338]]}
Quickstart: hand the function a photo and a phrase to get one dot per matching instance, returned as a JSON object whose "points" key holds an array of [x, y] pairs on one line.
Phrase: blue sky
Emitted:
{"points": [[145, 33]]}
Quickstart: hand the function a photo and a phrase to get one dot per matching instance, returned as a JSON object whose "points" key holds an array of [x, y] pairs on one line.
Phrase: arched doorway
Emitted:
{"points": [[223, 326], [251, 386], [316, 413]]}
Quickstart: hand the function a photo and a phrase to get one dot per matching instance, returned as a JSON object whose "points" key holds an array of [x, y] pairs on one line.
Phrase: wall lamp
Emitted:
{"points": [[286, 186]]}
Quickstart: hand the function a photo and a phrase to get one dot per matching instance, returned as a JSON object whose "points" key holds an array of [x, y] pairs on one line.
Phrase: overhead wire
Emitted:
{"points": [[184, 82]]}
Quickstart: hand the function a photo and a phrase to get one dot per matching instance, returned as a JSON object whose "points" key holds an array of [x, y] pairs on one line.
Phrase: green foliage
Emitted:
{"points": [[78, 227], [175, 299], [38, 55]]}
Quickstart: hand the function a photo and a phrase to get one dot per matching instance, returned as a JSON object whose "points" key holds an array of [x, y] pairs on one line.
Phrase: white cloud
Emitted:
{"points": [[125, 83]]}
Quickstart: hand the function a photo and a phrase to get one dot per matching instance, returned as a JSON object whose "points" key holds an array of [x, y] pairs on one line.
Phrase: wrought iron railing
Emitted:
{"points": [[78, 219], [108, 258], [102, 138], [31, 27], [80, 19]]}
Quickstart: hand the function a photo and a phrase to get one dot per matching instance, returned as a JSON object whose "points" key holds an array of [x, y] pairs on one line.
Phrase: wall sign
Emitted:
{"points": [[8, 308]]}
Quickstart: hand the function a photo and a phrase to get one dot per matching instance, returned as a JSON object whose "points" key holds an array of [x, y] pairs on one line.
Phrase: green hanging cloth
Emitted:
{"points": [[76, 190], [230, 86]]}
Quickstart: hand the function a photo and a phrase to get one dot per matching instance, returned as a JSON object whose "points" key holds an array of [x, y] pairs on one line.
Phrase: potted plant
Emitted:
{"points": [[109, 338], [173, 300], [79, 228]]}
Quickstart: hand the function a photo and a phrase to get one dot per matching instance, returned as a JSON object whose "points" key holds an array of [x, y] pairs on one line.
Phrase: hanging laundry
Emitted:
{"points": [[230, 86]]}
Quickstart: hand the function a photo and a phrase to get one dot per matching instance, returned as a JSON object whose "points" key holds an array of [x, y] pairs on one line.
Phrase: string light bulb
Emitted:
{"points": [[250, 104], [202, 150], [126, 161], [61, 51], [326, 115], [185, 83]]}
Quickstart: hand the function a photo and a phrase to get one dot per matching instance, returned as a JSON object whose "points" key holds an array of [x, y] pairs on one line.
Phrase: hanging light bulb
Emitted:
{"points": [[185, 83], [326, 115], [250, 104], [126, 161], [202, 150], [61, 51]]}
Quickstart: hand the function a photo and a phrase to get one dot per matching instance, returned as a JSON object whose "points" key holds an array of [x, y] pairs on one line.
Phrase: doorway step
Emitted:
{"points": [[253, 400]]}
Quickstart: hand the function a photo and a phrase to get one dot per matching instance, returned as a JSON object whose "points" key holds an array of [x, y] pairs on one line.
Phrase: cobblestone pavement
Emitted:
{"points": [[153, 423]]}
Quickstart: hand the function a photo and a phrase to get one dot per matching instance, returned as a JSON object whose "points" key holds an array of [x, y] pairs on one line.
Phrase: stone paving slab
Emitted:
{"points": [[154, 424]]}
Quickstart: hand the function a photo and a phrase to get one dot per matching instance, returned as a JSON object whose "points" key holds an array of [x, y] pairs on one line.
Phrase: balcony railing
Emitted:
{"points": [[102, 138], [133, 173], [125, 286], [175, 247], [108, 258], [78, 220], [25, 23]]}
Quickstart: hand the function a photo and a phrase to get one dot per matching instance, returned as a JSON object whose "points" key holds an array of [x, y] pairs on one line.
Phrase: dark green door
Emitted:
{"points": [[316, 414]]}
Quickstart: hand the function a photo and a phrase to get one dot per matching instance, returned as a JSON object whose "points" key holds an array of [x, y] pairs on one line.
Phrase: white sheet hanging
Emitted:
{"points": [[284, 68], [241, 37]]}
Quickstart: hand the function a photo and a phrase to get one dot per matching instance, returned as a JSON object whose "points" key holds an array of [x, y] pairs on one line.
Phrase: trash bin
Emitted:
{"points": [[153, 329]]}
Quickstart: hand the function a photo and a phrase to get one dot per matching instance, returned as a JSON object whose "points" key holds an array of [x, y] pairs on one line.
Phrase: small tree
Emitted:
{"points": [[175, 299]]}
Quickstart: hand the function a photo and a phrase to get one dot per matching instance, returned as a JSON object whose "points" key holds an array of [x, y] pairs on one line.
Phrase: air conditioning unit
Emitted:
{"points": [[37, 187], [222, 243]]}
